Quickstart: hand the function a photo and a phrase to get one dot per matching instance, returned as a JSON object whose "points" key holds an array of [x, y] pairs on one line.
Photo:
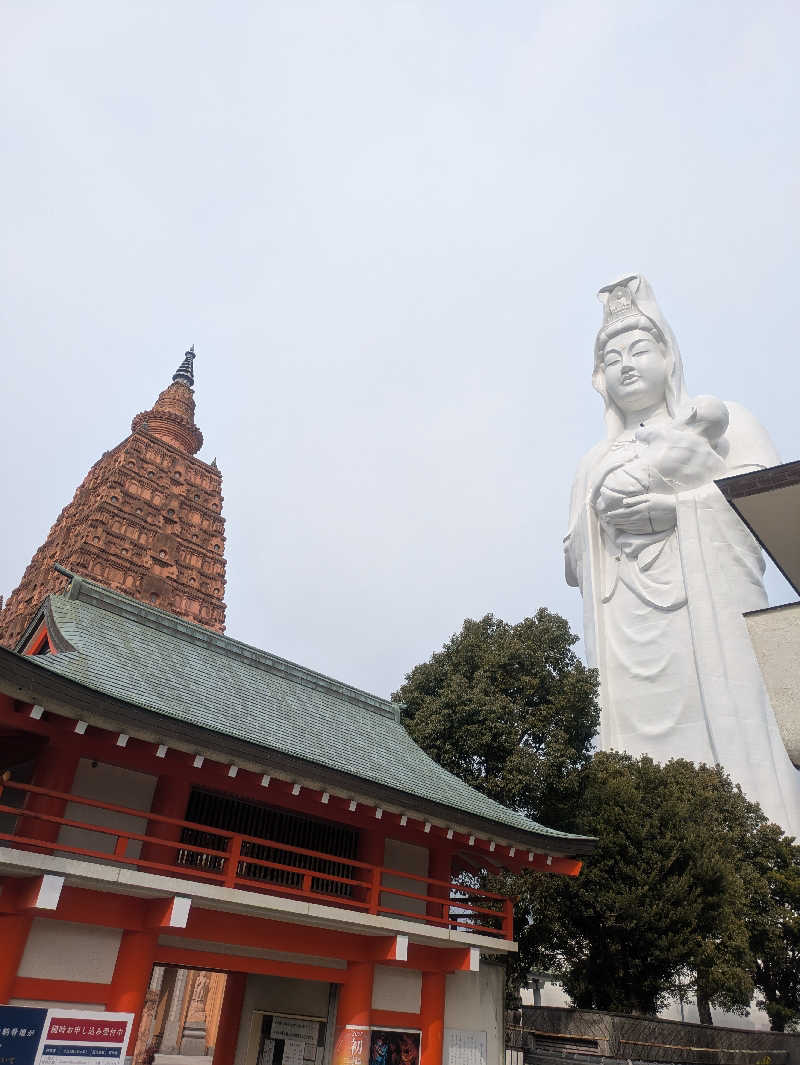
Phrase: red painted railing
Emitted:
{"points": [[234, 861]]}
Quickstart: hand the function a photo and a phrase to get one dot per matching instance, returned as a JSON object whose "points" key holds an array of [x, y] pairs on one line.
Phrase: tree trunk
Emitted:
{"points": [[704, 1008]]}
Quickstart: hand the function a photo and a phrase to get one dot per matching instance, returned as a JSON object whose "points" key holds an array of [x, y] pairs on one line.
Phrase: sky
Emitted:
{"points": [[383, 225]]}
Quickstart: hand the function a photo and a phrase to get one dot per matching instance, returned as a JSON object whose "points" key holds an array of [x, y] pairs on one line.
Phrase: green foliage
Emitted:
{"points": [[690, 892], [511, 709], [658, 906], [774, 923]]}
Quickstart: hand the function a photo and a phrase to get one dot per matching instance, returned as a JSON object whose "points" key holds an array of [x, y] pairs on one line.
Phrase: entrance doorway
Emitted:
{"points": [[180, 1019]]}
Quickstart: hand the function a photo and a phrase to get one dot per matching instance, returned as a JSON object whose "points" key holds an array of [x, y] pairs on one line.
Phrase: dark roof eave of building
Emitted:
{"points": [[754, 482], [740, 486], [23, 679]]}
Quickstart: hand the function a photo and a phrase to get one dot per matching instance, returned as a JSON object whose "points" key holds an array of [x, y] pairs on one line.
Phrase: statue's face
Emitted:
{"points": [[635, 370]]}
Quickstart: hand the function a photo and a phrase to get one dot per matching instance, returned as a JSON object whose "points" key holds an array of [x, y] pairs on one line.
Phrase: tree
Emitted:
{"points": [[774, 924], [660, 904], [510, 709]]}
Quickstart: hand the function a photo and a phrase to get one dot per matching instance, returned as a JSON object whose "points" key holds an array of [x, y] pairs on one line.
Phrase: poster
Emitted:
{"points": [[21, 1030], [80, 1037], [376, 1046], [351, 1046], [389, 1046]]}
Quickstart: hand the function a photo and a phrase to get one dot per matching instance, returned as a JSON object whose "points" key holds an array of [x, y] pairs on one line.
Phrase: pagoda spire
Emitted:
{"points": [[171, 419], [185, 371]]}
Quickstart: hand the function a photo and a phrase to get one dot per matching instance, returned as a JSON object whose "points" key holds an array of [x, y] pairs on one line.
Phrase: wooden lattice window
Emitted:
{"points": [[278, 826]]}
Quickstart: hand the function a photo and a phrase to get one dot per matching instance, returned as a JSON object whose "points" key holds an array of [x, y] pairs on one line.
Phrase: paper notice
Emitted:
{"points": [[464, 1048], [293, 1052], [295, 1028]]}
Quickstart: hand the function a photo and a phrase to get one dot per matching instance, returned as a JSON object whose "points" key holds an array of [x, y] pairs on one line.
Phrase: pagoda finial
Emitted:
{"points": [[171, 418], [185, 371]]}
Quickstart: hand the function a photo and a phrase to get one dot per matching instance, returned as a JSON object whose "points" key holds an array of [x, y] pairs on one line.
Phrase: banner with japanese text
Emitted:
{"points": [[80, 1037]]}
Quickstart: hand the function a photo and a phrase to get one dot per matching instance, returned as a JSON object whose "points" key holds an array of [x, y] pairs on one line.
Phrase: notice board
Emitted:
{"points": [[465, 1048], [279, 1039]]}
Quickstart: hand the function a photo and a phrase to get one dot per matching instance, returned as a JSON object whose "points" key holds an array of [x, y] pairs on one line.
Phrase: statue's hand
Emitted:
{"points": [[653, 513]]}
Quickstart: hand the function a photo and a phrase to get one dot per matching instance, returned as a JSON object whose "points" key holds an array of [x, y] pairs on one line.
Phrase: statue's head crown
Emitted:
{"points": [[618, 298], [621, 312]]}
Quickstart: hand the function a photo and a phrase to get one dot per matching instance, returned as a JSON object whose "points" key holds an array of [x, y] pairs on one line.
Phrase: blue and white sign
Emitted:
{"points": [[21, 1029]]}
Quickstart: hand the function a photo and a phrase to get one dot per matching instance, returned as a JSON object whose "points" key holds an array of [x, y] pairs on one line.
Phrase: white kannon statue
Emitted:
{"points": [[666, 568]]}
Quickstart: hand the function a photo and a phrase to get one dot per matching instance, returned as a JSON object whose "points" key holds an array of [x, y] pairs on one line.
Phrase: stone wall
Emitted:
{"points": [[629, 1037]]}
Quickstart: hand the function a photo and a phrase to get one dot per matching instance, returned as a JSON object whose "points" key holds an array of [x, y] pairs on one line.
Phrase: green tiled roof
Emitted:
{"points": [[149, 658]]}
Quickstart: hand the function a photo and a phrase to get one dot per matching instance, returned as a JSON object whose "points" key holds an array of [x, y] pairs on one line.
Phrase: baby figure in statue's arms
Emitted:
{"points": [[668, 456]]}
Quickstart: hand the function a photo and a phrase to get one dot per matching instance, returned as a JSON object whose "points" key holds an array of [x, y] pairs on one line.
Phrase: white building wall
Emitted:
{"points": [[108, 783], [61, 950], [474, 1002], [756, 1020], [552, 994], [775, 635]]}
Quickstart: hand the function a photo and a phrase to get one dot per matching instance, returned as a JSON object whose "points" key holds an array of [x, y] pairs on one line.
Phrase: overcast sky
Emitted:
{"points": [[383, 225]]}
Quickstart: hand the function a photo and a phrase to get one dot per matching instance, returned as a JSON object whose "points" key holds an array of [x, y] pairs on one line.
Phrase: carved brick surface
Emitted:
{"points": [[147, 521]]}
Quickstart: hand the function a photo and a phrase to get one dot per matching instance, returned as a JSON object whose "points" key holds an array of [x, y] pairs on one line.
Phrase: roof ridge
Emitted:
{"points": [[83, 589]]}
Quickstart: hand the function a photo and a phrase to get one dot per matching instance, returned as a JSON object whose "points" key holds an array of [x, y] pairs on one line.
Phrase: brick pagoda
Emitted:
{"points": [[147, 521]]}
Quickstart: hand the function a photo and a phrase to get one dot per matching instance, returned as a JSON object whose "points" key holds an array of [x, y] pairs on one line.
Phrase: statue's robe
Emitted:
{"points": [[664, 626]]}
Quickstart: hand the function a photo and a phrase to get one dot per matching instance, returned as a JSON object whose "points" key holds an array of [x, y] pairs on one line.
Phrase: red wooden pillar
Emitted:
{"points": [[440, 865], [55, 769], [14, 930], [355, 995], [137, 951], [229, 1019], [432, 1018], [508, 918], [170, 799], [371, 848]]}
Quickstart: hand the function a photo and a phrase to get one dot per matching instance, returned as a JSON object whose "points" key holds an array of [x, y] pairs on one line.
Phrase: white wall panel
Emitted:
{"points": [[108, 783], [396, 989], [61, 950], [406, 858]]}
